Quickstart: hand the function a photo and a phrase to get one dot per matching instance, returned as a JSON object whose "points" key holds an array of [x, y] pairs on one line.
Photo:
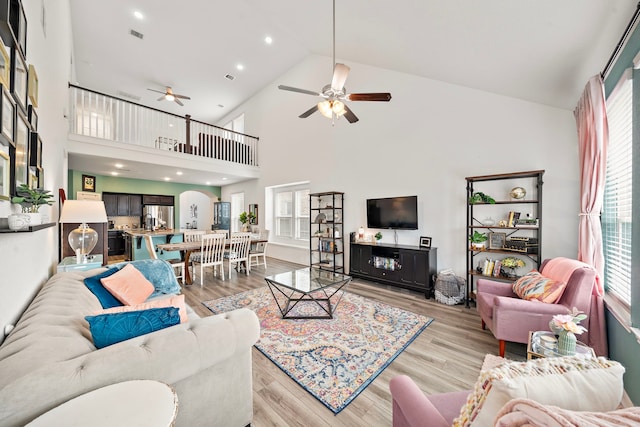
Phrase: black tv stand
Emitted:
{"points": [[409, 267]]}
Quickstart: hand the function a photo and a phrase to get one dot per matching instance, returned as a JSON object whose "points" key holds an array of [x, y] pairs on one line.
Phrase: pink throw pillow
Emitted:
{"points": [[128, 285], [534, 286], [172, 301]]}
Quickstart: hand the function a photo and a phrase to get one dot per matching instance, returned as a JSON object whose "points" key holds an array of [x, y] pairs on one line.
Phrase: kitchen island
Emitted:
{"points": [[136, 248]]}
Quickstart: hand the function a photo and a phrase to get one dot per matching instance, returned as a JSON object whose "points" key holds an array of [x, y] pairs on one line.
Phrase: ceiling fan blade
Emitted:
{"points": [[383, 96], [309, 112], [178, 101], [162, 98], [159, 91], [340, 73], [181, 96], [351, 118], [295, 89]]}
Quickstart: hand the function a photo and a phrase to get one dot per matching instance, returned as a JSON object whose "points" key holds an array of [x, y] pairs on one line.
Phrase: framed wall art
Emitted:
{"points": [[33, 118], [425, 242], [20, 160], [35, 150], [5, 175], [40, 178], [5, 65], [7, 117], [496, 240], [254, 210], [19, 80], [33, 85], [88, 183], [22, 28]]}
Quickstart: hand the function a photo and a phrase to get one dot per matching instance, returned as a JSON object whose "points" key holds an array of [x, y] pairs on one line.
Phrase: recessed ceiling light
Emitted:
{"points": [[268, 40], [208, 183], [179, 173], [170, 125], [119, 165], [138, 14], [240, 67], [224, 178], [114, 173], [166, 178]]}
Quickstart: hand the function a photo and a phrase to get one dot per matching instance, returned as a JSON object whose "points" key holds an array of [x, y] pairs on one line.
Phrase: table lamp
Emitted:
{"points": [[83, 239]]}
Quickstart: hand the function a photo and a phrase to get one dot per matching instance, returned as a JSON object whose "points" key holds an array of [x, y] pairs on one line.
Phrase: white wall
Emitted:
{"points": [[27, 259], [203, 210], [425, 141]]}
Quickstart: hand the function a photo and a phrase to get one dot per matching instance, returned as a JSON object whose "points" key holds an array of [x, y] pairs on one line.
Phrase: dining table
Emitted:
{"points": [[187, 248]]}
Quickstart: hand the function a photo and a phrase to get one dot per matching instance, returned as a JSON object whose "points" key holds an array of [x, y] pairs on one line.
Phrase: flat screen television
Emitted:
{"points": [[397, 213]]}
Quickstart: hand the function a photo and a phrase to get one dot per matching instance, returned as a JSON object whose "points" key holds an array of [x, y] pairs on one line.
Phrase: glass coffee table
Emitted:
{"points": [[308, 293]]}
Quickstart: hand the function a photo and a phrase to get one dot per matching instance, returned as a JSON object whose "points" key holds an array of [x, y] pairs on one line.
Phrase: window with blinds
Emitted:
{"points": [[617, 212]]}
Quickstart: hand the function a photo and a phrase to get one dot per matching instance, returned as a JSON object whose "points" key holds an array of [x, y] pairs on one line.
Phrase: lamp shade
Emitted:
{"points": [[83, 211]]}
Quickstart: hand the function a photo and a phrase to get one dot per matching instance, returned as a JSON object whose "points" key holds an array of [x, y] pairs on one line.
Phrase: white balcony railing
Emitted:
{"points": [[102, 116]]}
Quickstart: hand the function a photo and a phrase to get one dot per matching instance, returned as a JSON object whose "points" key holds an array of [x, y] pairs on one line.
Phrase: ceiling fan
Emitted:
{"points": [[168, 95], [335, 94]]}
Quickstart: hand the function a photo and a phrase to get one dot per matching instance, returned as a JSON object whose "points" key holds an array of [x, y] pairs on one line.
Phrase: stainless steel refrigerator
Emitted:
{"points": [[158, 217]]}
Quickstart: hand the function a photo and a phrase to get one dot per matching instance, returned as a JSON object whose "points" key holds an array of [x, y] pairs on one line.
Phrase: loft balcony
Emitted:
{"points": [[104, 126]]}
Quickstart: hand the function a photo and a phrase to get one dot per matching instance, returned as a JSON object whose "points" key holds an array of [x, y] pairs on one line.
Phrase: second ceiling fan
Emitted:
{"points": [[335, 94], [168, 95]]}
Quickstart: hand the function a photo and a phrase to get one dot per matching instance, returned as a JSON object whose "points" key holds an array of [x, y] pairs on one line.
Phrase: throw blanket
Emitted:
{"points": [[528, 413], [562, 269]]}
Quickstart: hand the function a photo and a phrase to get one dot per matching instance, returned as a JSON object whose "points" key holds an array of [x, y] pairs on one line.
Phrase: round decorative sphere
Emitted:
{"points": [[518, 193]]}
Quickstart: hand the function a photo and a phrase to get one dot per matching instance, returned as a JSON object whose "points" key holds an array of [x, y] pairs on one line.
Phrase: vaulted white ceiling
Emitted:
{"points": [[542, 51]]}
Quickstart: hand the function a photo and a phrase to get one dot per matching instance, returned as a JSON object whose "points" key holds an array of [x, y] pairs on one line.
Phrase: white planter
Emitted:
{"points": [[18, 221], [34, 218]]}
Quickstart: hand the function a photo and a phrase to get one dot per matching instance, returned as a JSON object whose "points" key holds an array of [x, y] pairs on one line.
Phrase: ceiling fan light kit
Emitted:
{"points": [[335, 94], [168, 95]]}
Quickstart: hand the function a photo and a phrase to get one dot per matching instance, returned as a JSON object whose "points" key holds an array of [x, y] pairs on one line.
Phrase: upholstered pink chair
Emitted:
{"points": [[510, 318]]}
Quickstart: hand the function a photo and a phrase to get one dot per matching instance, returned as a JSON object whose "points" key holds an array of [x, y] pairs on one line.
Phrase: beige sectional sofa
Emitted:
{"points": [[49, 358]]}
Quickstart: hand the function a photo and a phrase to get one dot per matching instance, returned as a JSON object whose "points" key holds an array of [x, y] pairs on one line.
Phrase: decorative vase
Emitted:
{"points": [[18, 221], [555, 329], [567, 343]]}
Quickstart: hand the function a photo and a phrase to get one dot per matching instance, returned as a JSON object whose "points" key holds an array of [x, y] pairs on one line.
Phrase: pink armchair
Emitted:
{"points": [[510, 318]]}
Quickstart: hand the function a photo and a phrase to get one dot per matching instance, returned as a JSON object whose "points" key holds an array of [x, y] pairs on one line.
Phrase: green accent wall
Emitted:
{"points": [[113, 184]]}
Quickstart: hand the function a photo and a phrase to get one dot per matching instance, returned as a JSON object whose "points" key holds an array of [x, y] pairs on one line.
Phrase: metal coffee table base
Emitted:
{"points": [[295, 297]]}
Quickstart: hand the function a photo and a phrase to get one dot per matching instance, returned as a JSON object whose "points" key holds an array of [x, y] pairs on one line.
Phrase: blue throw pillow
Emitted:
{"points": [[104, 296], [159, 272], [107, 329]]}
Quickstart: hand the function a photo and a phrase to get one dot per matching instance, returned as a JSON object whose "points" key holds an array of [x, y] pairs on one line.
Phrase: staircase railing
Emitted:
{"points": [[98, 115]]}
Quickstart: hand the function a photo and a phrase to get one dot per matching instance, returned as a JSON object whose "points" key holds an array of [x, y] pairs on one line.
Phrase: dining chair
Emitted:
{"points": [[211, 254], [259, 250], [193, 236], [238, 252], [177, 263]]}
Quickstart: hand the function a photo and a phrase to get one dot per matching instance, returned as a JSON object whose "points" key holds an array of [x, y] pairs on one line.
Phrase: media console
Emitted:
{"points": [[409, 267]]}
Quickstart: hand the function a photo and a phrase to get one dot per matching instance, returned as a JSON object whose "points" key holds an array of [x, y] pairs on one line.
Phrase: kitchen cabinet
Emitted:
{"points": [[122, 204], [116, 243], [152, 199], [110, 203]]}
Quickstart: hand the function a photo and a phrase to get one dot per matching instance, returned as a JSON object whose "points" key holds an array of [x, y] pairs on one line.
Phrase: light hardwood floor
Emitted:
{"points": [[446, 357]]}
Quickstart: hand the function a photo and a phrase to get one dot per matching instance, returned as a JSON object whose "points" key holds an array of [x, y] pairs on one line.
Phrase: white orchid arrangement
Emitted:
{"points": [[569, 322]]}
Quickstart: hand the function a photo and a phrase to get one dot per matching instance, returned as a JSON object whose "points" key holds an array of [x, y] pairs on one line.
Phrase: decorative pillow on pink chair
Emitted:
{"points": [[128, 285], [534, 286]]}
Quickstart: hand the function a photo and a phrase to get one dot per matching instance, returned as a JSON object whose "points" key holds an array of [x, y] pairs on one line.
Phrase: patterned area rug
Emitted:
{"points": [[333, 359]]}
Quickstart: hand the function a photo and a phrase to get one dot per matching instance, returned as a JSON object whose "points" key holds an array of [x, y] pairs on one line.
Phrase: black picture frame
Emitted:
{"points": [[19, 80], [253, 208], [7, 118], [5, 175], [425, 242], [32, 115], [22, 29], [89, 183], [21, 153], [35, 150], [497, 240]]}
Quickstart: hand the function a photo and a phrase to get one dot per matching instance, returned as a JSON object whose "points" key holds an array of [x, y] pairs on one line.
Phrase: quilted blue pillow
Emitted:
{"points": [[107, 329], [104, 296], [159, 272]]}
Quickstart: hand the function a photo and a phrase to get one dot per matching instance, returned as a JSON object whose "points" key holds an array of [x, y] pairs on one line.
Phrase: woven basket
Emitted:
{"points": [[449, 289]]}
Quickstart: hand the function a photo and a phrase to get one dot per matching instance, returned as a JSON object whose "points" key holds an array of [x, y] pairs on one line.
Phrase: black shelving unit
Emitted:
{"points": [[326, 242], [528, 237]]}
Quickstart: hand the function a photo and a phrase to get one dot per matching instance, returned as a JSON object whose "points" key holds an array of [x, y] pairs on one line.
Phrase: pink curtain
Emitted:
{"points": [[593, 138]]}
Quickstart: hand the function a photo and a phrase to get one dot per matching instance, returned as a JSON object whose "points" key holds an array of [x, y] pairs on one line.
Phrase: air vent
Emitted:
{"points": [[134, 33], [229, 77], [128, 95]]}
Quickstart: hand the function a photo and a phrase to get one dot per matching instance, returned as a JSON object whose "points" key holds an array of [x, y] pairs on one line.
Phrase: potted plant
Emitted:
{"points": [[378, 236], [30, 200], [246, 219], [479, 197], [478, 240]]}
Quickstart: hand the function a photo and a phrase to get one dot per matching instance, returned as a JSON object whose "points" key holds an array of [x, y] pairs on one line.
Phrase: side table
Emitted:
{"points": [[130, 403], [536, 350], [70, 264]]}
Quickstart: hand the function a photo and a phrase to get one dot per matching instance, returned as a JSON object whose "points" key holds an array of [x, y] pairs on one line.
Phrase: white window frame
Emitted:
{"points": [[237, 207], [299, 212]]}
